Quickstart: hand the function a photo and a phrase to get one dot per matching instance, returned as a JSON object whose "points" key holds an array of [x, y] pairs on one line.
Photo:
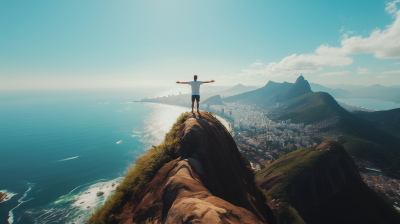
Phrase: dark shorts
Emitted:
{"points": [[197, 97]]}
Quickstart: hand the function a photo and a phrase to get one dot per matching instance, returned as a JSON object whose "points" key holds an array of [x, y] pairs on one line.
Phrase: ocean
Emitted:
{"points": [[59, 149], [371, 104]]}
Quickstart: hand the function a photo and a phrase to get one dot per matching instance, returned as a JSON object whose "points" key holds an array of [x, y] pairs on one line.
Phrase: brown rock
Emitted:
{"points": [[2, 196], [208, 182], [100, 193]]}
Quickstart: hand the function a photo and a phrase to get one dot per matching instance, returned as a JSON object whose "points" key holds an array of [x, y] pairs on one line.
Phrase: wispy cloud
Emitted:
{"points": [[397, 63], [333, 73], [391, 6], [381, 43], [363, 70], [257, 63], [391, 72], [382, 76], [341, 30]]}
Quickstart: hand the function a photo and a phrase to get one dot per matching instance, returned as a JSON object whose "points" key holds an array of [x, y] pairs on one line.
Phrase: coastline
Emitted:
{"points": [[223, 121]]}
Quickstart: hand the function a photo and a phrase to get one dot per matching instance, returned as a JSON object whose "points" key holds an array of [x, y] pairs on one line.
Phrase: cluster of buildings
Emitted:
{"points": [[378, 181], [287, 135], [381, 183]]}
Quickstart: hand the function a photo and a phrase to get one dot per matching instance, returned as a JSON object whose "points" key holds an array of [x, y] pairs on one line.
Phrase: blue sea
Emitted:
{"points": [[371, 104], [59, 149]]}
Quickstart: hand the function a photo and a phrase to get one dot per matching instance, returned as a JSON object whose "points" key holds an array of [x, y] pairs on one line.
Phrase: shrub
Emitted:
{"points": [[139, 175]]}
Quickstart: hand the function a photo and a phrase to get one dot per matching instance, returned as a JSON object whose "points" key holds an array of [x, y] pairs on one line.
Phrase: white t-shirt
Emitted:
{"points": [[195, 87]]}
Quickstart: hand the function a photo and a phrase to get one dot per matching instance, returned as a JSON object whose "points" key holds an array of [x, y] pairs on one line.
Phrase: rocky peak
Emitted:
{"points": [[209, 181], [300, 79], [299, 88]]}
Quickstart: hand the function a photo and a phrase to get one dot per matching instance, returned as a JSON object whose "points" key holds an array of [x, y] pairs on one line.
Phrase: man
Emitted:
{"points": [[195, 90]]}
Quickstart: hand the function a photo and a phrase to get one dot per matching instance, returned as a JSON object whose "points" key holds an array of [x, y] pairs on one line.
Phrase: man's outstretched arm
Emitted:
{"points": [[182, 82], [209, 81]]}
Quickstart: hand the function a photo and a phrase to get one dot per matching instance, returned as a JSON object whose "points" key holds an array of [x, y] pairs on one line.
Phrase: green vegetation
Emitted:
{"points": [[360, 137], [356, 201], [288, 215], [145, 169], [387, 120], [386, 160], [312, 107], [302, 161]]}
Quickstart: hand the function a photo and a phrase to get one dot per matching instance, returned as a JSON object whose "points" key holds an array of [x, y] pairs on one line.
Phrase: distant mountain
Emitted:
{"points": [[214, 100], [336, 93], [321, 184], [299, 88], [312, 107], [238, 89], [261, 95], [361, 138], [377, 92], [273, 92]]}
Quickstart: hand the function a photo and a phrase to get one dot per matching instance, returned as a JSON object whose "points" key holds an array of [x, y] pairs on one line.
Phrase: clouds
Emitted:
{"points": [[391, 72], [305, 63], [363, 70], [333, 73], [382, 43], [257, 63], [391, 6]]}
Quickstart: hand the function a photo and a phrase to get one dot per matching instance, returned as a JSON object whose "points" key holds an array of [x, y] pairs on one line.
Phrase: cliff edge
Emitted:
{"points": [[205, 179]]}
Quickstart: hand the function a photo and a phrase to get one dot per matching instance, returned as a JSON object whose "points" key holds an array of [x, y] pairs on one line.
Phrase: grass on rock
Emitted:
{"points": [[145, 169]]}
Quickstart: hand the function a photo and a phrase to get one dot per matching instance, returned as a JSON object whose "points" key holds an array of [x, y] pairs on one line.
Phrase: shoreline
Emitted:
{"points": [[222, 120]]}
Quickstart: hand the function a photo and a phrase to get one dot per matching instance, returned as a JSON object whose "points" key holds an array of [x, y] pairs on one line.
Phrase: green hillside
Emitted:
{"points": [[214, 100], [261, 95], [312, 107], [360, 137], [388, 120], [355, 203]]}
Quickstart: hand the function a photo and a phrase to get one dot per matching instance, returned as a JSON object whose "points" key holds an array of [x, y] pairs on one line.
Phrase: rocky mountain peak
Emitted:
{"points": [[208, 181]]}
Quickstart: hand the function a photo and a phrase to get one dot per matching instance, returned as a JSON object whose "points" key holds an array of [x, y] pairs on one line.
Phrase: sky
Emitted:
{"points": [[83, 44]]}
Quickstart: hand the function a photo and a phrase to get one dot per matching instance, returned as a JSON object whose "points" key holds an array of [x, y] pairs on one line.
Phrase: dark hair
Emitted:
{"points": [[195, 77]]}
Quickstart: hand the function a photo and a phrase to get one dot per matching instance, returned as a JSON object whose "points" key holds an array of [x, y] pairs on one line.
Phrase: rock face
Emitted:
{"points": [[313, 186], [2, 196], [299, 88], [208, 182]]}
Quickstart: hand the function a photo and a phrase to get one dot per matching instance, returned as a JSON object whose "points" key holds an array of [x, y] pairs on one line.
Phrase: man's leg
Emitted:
{"points": [[197, 106], [192, 102]]}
